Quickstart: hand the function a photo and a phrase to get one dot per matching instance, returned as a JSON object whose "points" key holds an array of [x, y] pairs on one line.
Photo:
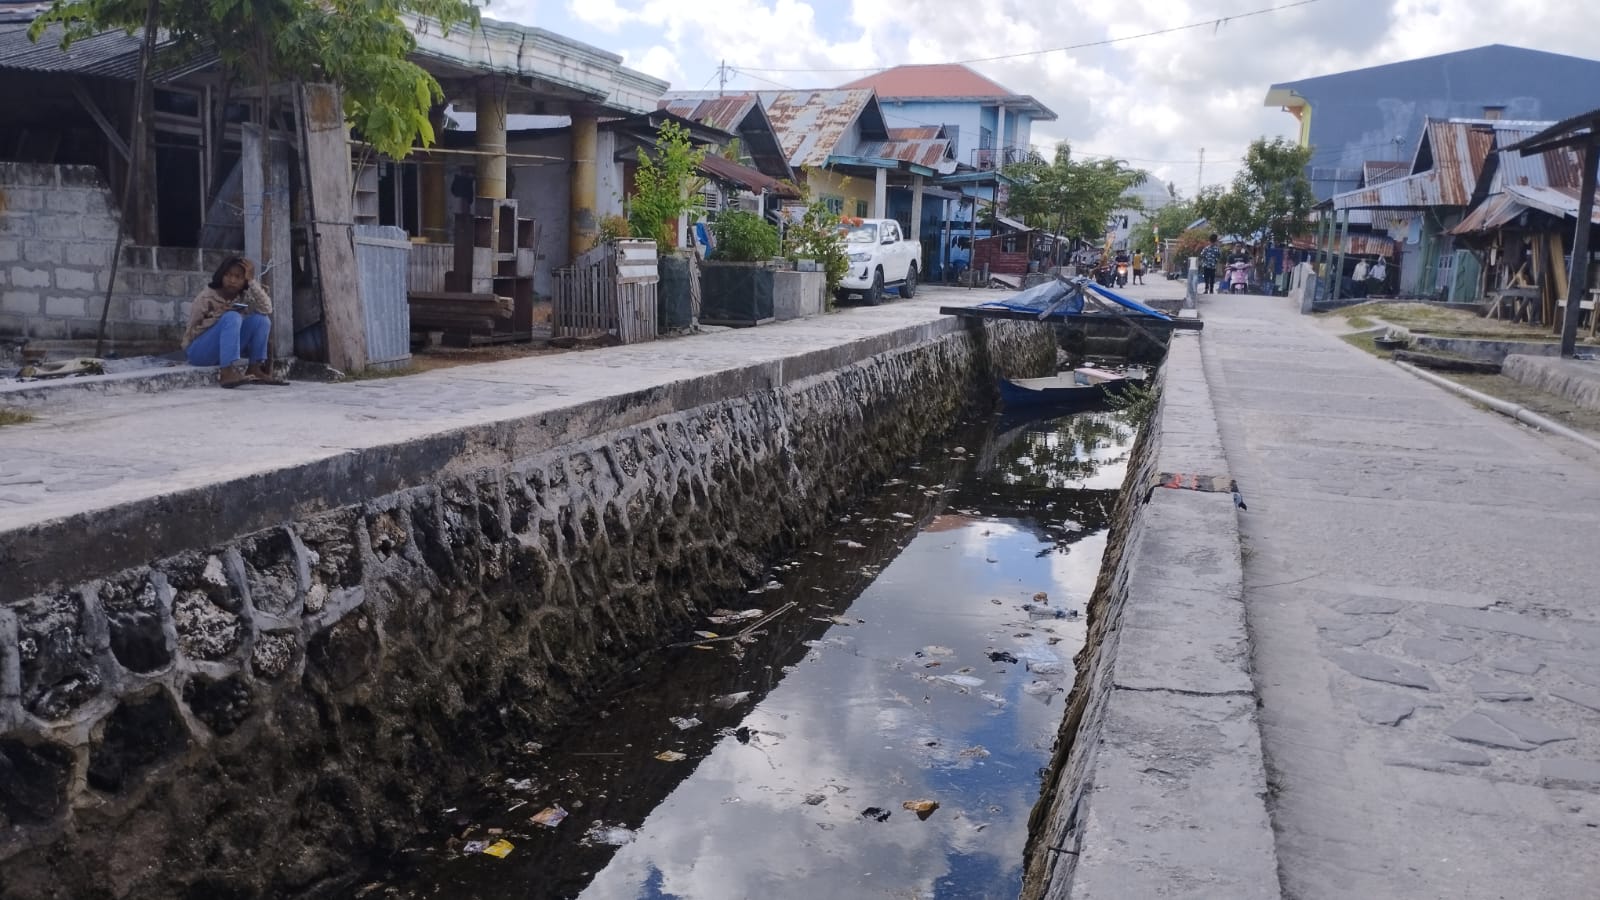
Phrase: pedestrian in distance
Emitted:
{"points": [[1138, 267], [1209, 256], [229, 322]]}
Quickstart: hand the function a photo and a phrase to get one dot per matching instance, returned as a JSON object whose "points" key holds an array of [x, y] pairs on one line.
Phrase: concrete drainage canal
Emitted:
{"points": [[871, 721]]}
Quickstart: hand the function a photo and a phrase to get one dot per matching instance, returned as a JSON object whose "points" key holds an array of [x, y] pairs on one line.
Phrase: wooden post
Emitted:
{"points": [[1578, 272], [1338, 257], [328, 158]]}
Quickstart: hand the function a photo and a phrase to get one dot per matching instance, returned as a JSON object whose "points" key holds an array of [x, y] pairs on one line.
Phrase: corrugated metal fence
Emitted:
{"points": [[611, 289], [382, 258]]}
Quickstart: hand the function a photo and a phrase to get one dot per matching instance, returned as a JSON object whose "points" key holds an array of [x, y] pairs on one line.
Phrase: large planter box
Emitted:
{"points": [[676, 308], [796, 295], [733, 293]]}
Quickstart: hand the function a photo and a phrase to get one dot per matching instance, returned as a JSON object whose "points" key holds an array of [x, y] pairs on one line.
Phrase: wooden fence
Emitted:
{"points": [[611, 289]]}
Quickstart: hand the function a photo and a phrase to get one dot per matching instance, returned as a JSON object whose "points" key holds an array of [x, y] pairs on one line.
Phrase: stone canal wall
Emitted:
{"points": [[1157, 787], [221, 706]]}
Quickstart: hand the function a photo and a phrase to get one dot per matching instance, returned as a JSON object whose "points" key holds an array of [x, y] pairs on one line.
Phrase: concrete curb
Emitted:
{"points": [[35, 394], [1163, 792], [1519, 413]]}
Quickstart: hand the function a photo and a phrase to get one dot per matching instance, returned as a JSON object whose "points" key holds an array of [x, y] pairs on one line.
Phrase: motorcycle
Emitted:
{"points": [[1122, 274], [1239, 277]]}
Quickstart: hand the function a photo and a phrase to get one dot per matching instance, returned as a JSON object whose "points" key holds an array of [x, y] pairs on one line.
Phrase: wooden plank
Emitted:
{"points": [[328, 158]]}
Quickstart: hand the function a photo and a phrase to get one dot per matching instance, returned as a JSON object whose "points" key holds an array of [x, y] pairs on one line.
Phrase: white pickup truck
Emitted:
{"points": [[881, 257]]}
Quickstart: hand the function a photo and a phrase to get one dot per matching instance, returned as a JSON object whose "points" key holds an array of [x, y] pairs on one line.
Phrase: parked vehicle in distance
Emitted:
{"points": [[882, 258]]}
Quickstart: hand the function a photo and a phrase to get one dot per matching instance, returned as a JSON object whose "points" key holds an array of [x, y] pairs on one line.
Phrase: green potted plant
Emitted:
{"points": [[661, 196], [736, 282]]}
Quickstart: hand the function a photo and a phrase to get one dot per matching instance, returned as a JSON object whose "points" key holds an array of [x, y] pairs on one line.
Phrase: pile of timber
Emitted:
{"points": [[457, 312]]}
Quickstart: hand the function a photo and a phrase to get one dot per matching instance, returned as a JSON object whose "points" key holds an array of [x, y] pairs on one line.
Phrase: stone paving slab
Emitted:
{"points": [[1421, 620], [90, 460]]}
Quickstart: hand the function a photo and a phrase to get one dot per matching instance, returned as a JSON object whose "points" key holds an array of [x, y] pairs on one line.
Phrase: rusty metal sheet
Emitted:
{"points": [[1490, 214], [929, 154], [811, 124], [1557, 201], [919, 133], [725, 113], [1412, 192]]}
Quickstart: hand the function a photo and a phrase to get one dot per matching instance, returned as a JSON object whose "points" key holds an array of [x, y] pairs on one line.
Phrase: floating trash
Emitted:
{"points": [[923, 808], [965, 681], [729, 701], [729, 617], [1001, 656], [814, 799], [549, 817], [1045, 666], [994, 698], [671, 756], [500, 849], [684, 723], [1039, 688], [609, 835], [852, 545], [876, 814], [474, 847]]}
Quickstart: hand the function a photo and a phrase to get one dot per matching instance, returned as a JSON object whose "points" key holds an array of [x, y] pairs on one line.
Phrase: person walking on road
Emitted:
{"points": [[1138, 267], [1208, 263]]}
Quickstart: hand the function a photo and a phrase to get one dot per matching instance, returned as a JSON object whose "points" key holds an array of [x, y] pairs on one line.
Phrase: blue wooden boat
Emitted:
{"points": [[1081, 389]]}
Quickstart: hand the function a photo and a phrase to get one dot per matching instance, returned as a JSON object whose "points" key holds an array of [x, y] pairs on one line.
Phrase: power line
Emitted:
{"points": [[1217, 22]]}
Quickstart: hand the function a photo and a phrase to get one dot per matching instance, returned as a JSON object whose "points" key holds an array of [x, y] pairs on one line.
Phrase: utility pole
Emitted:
{"points": [[1200, 173], [722, 77]]}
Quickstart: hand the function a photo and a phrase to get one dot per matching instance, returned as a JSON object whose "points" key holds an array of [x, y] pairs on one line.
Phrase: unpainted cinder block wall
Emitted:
{"points": [[58, 226]]}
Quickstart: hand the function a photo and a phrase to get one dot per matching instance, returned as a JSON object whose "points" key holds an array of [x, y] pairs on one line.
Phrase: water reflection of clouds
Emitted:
{"points": [[860, 717]]}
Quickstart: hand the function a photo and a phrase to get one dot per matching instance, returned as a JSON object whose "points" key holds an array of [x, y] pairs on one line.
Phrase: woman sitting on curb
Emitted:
{"points": [[228, 324]]}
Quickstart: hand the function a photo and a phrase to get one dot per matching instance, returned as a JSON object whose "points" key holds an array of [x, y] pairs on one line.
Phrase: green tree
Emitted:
{"points": [[1167, 222], [662, 186], [360, 45], [1070, 197], [1270, 194]]}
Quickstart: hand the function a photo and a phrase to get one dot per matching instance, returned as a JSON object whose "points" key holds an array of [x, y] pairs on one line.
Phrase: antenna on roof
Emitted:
{"points": [[722, 76]]}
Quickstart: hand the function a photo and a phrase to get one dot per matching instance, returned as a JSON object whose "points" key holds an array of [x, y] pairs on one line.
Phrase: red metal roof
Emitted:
{"points": [[942, 80], [726, 170], [946, 81]]}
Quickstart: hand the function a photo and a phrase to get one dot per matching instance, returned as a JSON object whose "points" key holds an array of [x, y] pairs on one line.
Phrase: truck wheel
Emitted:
{"points": [[874, 294], [909, 289]]}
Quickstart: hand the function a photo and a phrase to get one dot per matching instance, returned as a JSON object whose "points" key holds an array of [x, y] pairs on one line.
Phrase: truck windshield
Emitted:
{"points": [[860, 234]]}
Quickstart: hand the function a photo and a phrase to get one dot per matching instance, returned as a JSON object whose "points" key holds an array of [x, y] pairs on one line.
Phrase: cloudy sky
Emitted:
{"points": [[1155, 101]]}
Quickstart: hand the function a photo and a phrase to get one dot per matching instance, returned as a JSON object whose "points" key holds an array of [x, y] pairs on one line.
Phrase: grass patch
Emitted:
{"points": [[1365, 342], [1360, 322], [380, 374], [15, 417]]}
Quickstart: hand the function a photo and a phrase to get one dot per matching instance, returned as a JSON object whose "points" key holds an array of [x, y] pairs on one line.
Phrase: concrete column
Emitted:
{"points": [[1000, 135], [582, 225], [916, 207], [880, 195], [491, 141], [435, 199]]}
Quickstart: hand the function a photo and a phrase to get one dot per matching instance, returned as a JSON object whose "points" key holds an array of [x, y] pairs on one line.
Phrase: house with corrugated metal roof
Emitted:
{"points": [[65, 127], [1444, 180], [1380, 112]]}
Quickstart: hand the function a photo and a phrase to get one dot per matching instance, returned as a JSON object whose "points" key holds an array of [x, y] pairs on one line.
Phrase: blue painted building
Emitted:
{"points": [[1379, 113]]}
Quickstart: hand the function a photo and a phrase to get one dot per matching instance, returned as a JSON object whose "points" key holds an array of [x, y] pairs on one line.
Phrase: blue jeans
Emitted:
{"points": [[234, 337]]}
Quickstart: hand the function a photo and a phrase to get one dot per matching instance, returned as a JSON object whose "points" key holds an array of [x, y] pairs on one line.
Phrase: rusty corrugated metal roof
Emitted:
{"points": [[1377, 171], [1412, 192], [1491, 213], [113, 54], [725, 113], [1459, 149], [1354, 244], [812, 125], [930, 154], [739, 175], [1557, 201], [919, 133]]}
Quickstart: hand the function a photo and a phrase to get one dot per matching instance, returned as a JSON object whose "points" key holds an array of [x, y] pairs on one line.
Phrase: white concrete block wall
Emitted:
{"points": [[57, 229]]}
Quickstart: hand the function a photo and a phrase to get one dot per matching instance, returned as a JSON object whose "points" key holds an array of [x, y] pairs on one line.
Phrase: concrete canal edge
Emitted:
{"points": [[226, 703], [1158, 786]]}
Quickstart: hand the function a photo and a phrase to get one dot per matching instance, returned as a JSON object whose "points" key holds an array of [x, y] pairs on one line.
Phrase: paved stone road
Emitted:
{"points": [[1425, 626], [96, 451]]}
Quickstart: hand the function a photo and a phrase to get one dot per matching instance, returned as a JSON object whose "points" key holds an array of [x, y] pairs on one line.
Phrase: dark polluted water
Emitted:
{"points": [[921, 654]]}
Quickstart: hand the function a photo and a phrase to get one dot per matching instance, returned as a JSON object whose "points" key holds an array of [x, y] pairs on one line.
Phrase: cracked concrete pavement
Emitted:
{"points": [[1425, 639]]}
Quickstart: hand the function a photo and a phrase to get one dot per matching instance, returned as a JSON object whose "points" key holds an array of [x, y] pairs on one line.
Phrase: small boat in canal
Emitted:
{"points": [[1080, 389]]}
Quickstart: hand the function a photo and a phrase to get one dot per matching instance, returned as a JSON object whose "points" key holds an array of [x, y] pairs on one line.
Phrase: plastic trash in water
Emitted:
{"points": [[1001, 656], [671, 756], [500, 849], [729, 701], [1039, 612], [876, 814], [730, 617], [550, 816], [923, 808], [474, 846], [609, 835], [684, 723], [965, 681]]}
